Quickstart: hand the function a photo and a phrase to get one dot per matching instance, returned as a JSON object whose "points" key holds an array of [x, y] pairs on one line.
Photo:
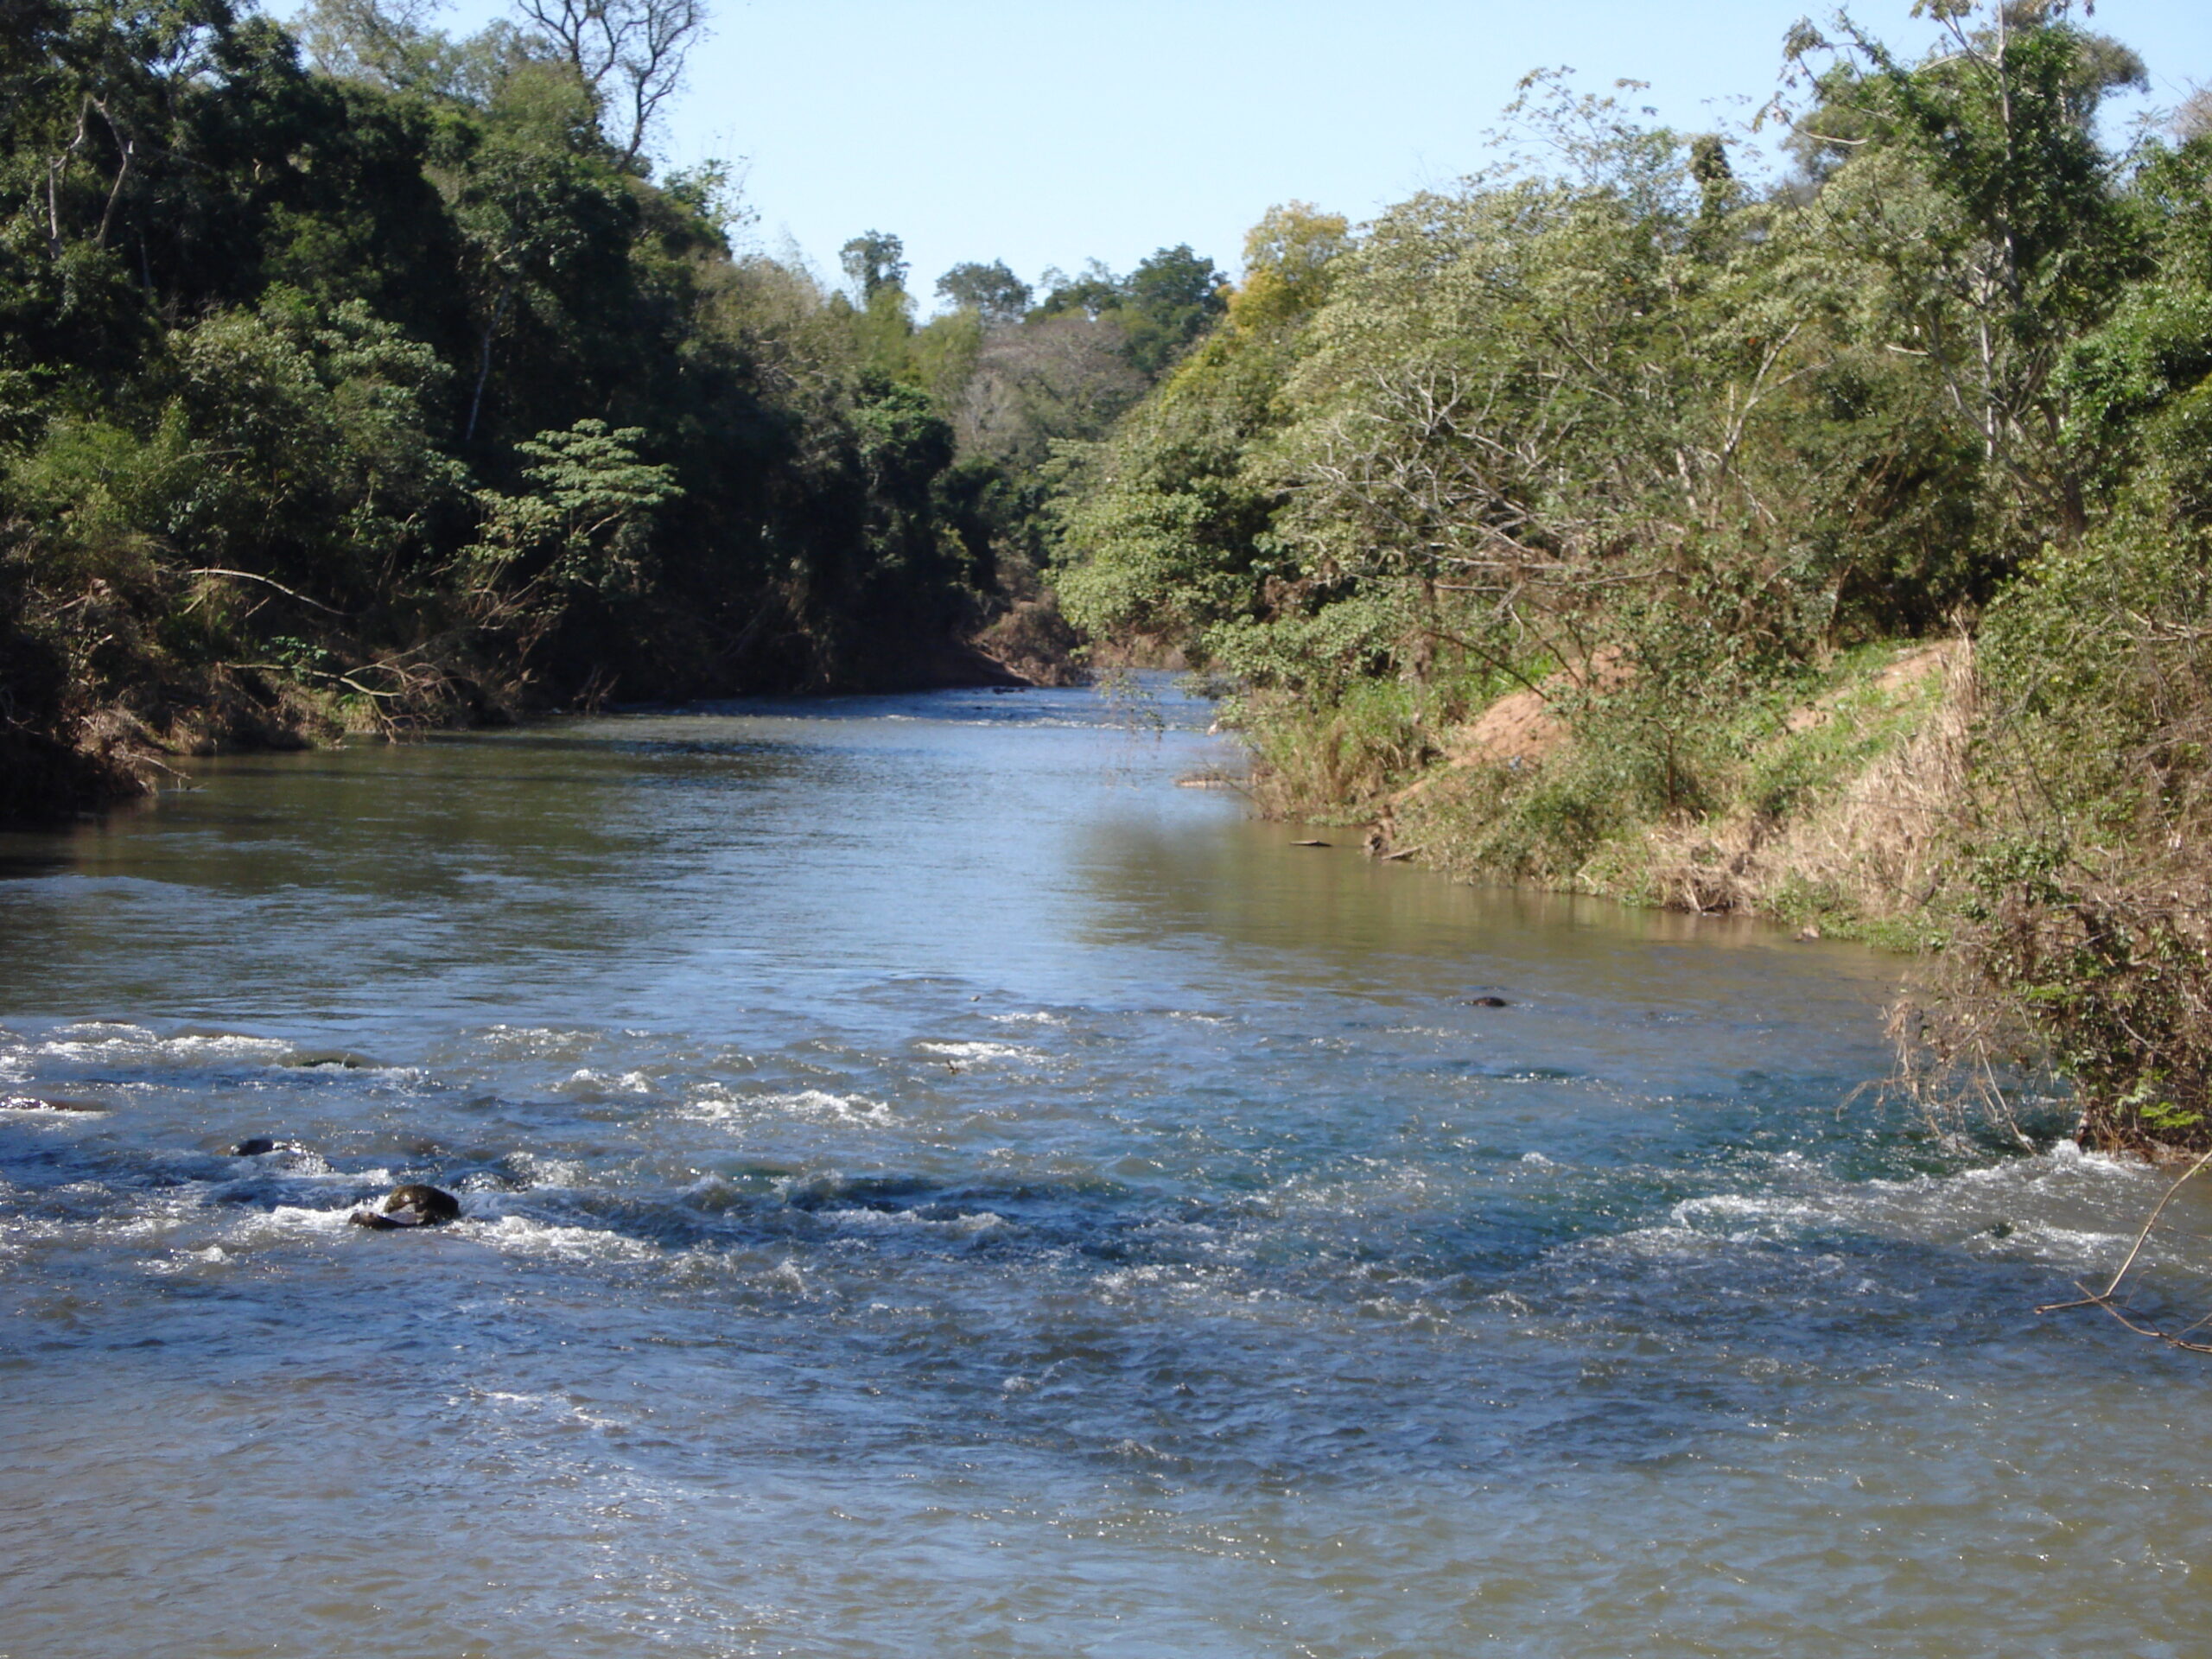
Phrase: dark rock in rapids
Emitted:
{"points": [[413, 1205], [316, 1059], [1488, 1002], [253, 1146]]}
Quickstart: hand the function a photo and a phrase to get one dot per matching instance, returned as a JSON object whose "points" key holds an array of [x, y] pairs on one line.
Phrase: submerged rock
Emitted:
{"points": [[253, 1146], [413, 1205], [45, 1103], [1488, 1002], [316, 1059]]}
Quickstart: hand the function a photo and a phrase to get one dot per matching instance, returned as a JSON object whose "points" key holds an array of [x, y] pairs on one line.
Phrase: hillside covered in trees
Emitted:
{"points": [[1833, 549], [370, 378]]}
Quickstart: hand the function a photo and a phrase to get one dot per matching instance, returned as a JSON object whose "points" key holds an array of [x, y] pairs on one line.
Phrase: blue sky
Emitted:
{"points": [[1045, 135]]}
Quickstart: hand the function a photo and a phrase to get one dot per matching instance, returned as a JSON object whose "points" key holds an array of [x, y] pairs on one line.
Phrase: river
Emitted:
{"points": [[933, 1186]]}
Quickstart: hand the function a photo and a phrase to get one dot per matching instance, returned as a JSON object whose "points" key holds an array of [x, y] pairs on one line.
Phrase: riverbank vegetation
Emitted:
{"points": [[373, 378], [1831, 548]]}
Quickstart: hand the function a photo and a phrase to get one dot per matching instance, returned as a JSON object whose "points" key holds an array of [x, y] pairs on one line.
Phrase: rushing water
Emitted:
{"points": [[934, 1187]]}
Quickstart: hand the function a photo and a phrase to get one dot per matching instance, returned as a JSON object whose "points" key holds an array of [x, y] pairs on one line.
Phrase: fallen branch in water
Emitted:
{"points": [[2105, 1299]]}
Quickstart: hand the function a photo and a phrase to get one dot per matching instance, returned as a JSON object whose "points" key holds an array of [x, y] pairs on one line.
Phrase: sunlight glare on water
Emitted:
{"points": [[933, 1186]]}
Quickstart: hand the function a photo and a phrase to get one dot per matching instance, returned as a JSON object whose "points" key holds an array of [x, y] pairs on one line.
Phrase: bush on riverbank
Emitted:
{"points": [[2079, 909]]}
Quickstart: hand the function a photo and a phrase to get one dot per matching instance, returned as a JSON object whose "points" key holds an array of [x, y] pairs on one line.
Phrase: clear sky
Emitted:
{"points": [[1047, 134]]}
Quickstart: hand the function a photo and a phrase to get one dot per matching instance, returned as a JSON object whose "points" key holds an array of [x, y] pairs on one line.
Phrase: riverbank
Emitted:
{"points": [[2023, 810], [74, 745], [1824, 805]]}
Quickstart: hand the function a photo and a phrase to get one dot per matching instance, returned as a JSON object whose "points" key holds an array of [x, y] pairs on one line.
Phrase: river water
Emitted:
{"points": [[932, 1187]]}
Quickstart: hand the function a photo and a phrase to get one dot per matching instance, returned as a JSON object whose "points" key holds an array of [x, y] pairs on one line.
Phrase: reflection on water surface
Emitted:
{"points": [[933, 1186]]}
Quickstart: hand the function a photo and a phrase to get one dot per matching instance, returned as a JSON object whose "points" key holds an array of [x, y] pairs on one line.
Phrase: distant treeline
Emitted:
{"points": [[371, 378], [1610, 425]]}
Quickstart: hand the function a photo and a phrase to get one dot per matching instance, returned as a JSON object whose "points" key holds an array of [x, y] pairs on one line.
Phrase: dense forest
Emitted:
{"points": [[1831, 548], [363, 378]]}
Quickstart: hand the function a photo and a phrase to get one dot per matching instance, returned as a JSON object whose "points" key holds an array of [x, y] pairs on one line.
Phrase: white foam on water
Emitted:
{"points": [[224, 1047], [965, 1225], [387, 1076], [2076, 1248], [532, 1403], [542, 1172], [786, 1279], [717, 1105], [524, 1236], [982, 1052], [183, 1260], [586, 1084], [1666, 1242], [2057, 1209], [93, 1027], [303, 1163], [100, 1040], [1039, 1018], [1382, 1188], [288, 1221], [540, 1405], [536, 1042], [1152, 1280], [1745, 1217]]}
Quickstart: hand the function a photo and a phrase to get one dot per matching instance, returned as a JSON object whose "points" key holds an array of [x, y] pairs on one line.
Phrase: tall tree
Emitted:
{"points": [[873, 260], [1172, 297], [630, 53], [2023, 243]]}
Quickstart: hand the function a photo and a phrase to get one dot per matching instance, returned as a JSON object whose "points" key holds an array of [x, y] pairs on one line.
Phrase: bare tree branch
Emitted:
{"points": [[629, 54]]}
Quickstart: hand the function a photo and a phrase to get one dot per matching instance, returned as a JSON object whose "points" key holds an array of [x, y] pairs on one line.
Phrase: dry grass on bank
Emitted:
{"points": [[1833, 813], [1863, 849]]}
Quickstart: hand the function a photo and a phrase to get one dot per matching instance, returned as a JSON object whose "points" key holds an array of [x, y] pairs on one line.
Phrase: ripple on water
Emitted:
{"points": [[1126, 1241]]}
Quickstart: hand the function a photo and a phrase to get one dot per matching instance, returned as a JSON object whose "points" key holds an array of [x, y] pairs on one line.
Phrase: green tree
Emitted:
{"points": [[1982, 194], [1171, 298], [874, 261], [992, 291]]}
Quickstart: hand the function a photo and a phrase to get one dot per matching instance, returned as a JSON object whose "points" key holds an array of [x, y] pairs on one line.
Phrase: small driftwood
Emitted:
{"points": [[2107, 1298]]}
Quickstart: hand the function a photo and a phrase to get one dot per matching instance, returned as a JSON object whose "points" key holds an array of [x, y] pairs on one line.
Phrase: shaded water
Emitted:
{"points": [[934, 1187]]}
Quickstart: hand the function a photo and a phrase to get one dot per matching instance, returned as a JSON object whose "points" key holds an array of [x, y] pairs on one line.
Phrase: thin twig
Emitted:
{"points": [[2105, 1299], [248, 575]]}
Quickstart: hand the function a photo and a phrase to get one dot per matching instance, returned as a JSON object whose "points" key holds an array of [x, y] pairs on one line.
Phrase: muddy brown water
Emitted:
{"points": [[932, 1187]]}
